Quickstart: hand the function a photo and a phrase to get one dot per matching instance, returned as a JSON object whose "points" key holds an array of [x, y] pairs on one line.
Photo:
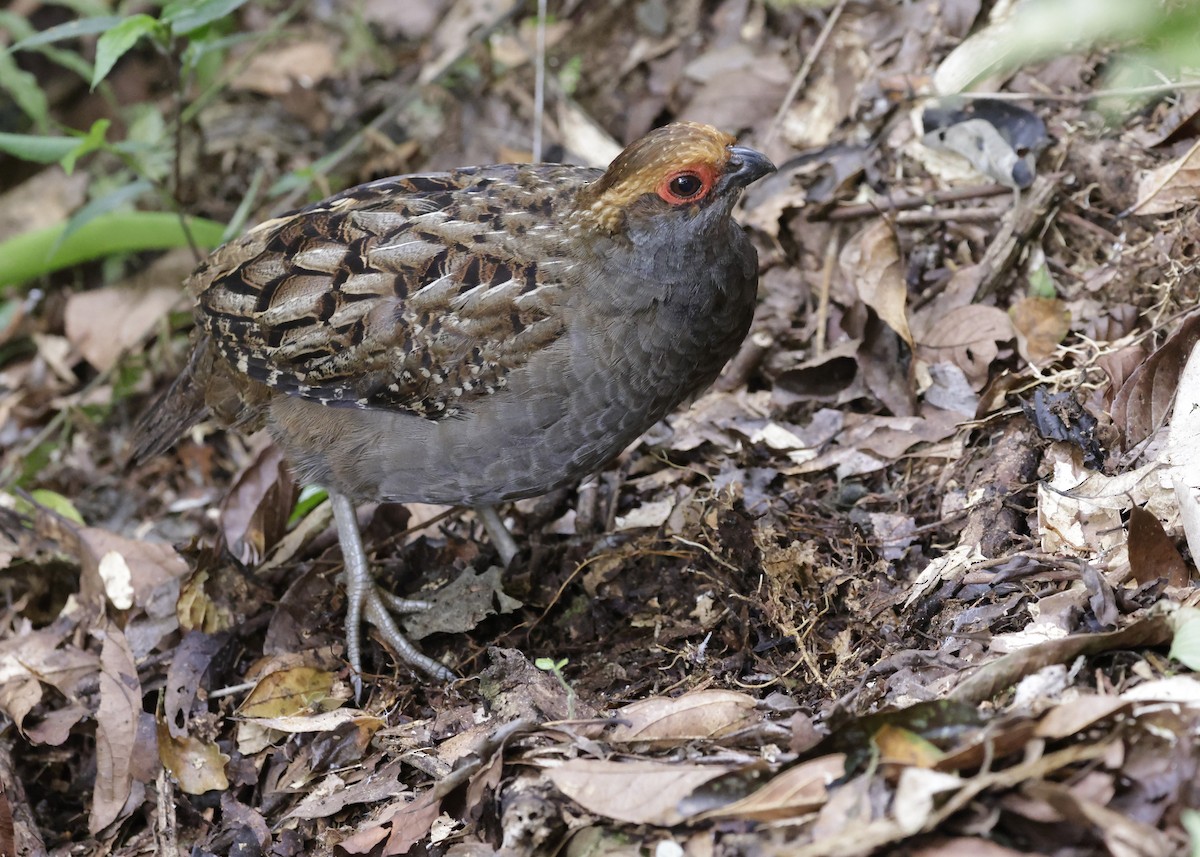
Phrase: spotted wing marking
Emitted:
{"points": [[401, 294]]}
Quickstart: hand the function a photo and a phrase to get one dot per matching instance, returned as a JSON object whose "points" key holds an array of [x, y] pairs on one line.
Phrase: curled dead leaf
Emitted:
{"points": [[1170, 187], [872, 265], [1142, 404]]}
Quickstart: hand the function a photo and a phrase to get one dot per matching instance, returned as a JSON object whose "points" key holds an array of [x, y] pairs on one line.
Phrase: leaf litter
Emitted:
{"points": [[904, 580]]}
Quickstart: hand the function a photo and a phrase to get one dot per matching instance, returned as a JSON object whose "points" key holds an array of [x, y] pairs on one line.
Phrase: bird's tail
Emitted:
{"points": [[175, 411]]}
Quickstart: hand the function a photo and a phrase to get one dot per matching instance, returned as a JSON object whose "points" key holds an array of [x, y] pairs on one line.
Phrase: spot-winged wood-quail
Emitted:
{"points": [[472, 336]]}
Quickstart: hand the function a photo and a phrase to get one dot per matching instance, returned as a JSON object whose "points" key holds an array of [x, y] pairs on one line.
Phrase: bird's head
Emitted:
{"points": [[684, 171]]}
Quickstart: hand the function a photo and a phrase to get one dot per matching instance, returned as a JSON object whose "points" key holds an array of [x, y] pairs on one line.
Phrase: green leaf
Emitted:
{"points": [[41, 150], [1041, 284], [9, 310], [1190, 819], [34, 460], [85, 8], [69, 30], [117, 41], [18, 26], [58, 504], [1185, 648], [68, 60], [93, 140], [24, 89], [104, 205], [187, 16], [34, 254], [310, 497], [205, 54]]}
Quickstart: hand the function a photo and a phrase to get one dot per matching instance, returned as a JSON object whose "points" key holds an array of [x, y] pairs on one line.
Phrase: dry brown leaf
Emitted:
{"points": [[352, 726], [1075, 715], [139, 573], [103, 323], [967, 337], [767, 202], [901, 746], [1142, 404], [326, 721], [372, 833], [290, 691], [1152, 553], [1122, 835], [1005, 671], [189, 662], [1118, 366], [19, 693], [333, 794], [872, 266], [30, 658], [1170, 187], [461, 604], [825, 377], [197, 766], [410, 824], [869, 443], [276, 71], [1079, 510], [651, 514], [705, 714], [55, 727], [116, 729], [960, 845], [1041, 324], [196, 609], [737, 85], [641, 792], [918, 793], [255, 512], [1180, 456], [794, 792], [46, 198]]}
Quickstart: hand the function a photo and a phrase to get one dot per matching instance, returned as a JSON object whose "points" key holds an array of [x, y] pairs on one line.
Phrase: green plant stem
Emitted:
{"points": [[34, 254]]}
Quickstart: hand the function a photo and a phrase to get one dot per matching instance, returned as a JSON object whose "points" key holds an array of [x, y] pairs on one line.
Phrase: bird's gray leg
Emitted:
{"points": [[498, 533], [364, 598]]}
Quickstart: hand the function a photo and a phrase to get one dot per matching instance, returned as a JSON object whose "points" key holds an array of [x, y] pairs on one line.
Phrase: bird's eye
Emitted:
{"points": [[684, 186]]}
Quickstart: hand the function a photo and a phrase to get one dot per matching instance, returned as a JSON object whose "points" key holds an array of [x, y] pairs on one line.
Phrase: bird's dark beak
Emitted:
{"points": [[746, 166]]}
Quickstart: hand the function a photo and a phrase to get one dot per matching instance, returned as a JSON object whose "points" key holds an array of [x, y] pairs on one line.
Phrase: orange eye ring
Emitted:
{"points": [[686, 186]]}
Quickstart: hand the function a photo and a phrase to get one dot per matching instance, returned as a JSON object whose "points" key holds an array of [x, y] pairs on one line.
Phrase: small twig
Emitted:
{"points": [[539, 82], [904, 203], [177, 157], [1084, 97], [805, 68], [831, 254], [23, 829], [1030, 216], [745, 362], [1091, 226], [978, 214]]}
